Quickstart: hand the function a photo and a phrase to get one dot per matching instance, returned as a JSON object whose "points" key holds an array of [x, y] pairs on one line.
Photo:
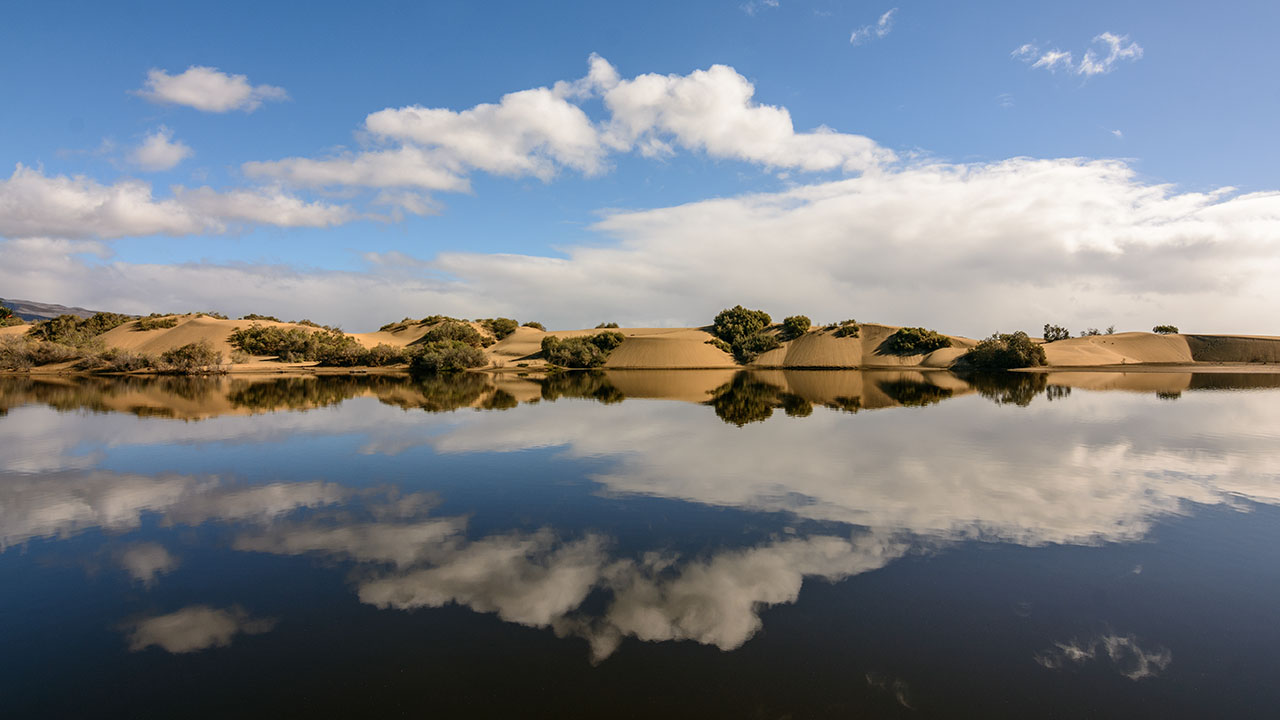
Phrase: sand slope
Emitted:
{"points": [[820, 348]]}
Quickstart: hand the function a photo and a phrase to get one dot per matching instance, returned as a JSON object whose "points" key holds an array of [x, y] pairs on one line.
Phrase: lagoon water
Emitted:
{"points": [[696, 544]]}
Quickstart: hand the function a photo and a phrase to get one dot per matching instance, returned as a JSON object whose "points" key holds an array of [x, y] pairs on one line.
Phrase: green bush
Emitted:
{"points": [[846, 328], [155, 322], [213, 314], [5, 312], [329, 346], [915, 341], [1090, 332], [721, 345], [454, 330], [445, 356], [7, 317], [753, 346], [536, 325], [586, 351], [1004, 352], [500, 327], [309, 323], [737, 322], [1165, 329], [75, 331], [744, 330], [192, 358], [795, 326], [256, 316], [605, 325], [1054, 333]]}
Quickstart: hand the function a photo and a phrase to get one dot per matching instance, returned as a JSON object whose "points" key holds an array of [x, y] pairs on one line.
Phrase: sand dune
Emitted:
{"points": [[820, 348], [688, 348]]}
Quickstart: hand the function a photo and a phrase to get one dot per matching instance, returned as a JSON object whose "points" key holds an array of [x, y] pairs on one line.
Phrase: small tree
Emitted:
{"points": [[1090, 332], [1054, 333], [738, 322], [795, 326], [1165, 329]]}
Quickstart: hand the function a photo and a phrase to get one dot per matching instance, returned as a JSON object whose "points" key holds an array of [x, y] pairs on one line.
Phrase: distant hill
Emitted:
{"points": [[33, 311]]}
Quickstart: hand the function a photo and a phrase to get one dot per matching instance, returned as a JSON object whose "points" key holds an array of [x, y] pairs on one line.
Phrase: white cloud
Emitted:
{"points": [[1116, 50], [881, 28], [713, 111], [1123, 652], [539, 132], [1090, 64], [194, 628], [159, 151], [943, 245], [33, 204], [1118, 134], [755, 6], [144, 561], [399, 167], [208, 89], [529, 132]]}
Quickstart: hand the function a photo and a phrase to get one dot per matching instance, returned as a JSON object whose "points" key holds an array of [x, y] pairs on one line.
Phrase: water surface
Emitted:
{"points": [[689, 544]]}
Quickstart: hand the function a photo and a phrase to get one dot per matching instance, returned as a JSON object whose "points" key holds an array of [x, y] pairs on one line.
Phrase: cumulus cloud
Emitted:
{"points": [[145, 561], [195, 628], [208, 89], [1121, 652], [539, 132], [1072, 239], [880, 29], [33, 204], [159, 151], [1118, 47]]}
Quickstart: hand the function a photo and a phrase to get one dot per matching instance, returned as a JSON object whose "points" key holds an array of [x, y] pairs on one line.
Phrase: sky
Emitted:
{"points": [[973, 167]]}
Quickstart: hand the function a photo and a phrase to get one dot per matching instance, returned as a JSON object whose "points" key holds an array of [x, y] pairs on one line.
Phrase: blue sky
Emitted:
{"points": [[1119, 146]]}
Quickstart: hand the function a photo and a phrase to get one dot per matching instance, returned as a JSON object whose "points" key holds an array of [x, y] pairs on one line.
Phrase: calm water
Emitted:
{"points": [[698, 544]]}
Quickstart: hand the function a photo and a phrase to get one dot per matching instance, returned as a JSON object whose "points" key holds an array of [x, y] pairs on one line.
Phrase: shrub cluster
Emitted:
{"points": [[76, 331], [155, 322], [190, 359], [500, 327], [915, 341], [1090, 332], [744, 331], [606, 325], [256, 316], [213, 314], [586, 351], [1054, 333], [454, 330], [795, 326], [536, 325], [1165, 329], [845, 328], [1004, 352], [294, 344], [445, 356], [24, 353]]}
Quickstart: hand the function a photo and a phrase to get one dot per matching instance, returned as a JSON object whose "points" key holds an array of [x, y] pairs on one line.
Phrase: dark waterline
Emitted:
{"points": [[697, 544]]}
